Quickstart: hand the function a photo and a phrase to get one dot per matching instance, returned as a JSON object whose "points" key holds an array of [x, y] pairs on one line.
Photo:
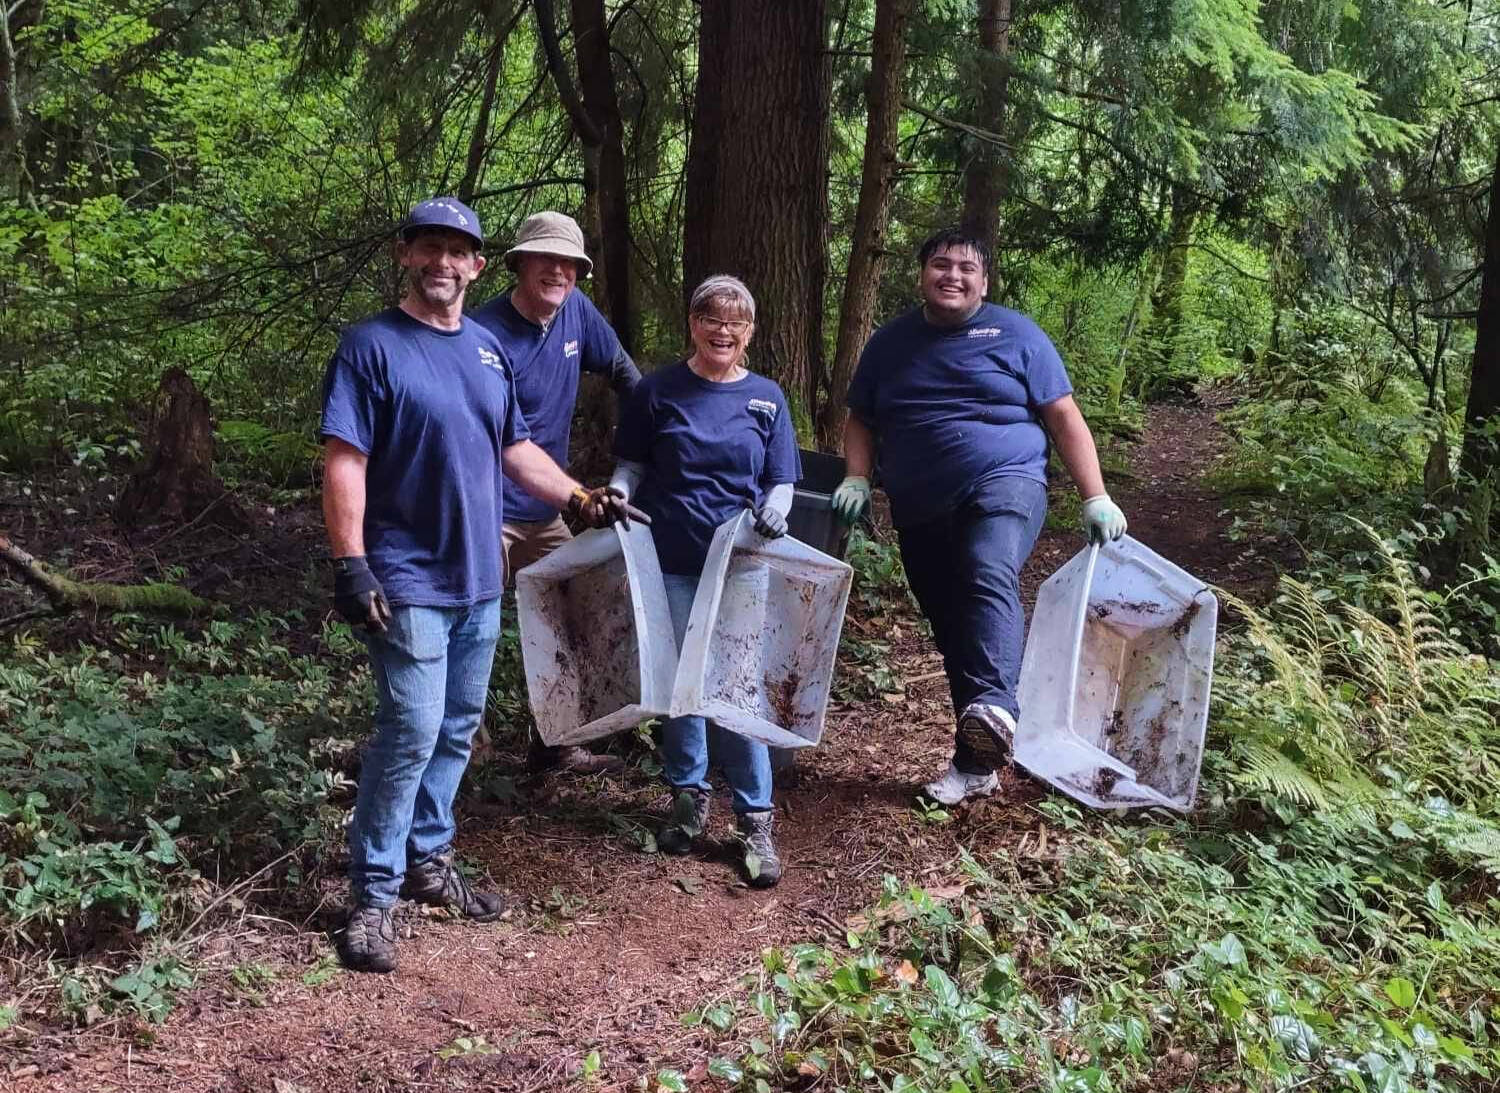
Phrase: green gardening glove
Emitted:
{"points": [[851, 498], [1102, 519]]}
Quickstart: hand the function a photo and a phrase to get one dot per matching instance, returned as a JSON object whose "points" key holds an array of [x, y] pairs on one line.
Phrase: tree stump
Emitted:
{"points": [[178, 480]]}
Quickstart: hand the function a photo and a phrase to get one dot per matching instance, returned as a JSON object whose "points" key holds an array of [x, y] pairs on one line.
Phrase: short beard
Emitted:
{"points": [[427, 296]]}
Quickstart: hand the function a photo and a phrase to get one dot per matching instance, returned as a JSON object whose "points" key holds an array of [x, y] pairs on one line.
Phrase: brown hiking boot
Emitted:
{"points": [[367, 942], [762, 863], [440, 883], [687, 823]]}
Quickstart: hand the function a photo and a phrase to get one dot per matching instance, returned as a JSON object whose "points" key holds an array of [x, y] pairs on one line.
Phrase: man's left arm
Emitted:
{"points": [[605, 356], [1102, 518]]}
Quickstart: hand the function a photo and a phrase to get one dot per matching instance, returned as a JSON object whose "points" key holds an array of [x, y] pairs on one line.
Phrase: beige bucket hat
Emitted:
{"points": [[551, 233]]}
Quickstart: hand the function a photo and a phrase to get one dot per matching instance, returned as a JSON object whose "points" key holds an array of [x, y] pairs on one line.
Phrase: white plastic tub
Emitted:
{"points": [[761, 643], [1115, 681], [596, 636]]}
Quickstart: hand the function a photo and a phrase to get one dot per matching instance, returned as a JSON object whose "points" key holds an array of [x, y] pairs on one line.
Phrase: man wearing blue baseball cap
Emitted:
{"points": [[552, 333], [420, 421]]}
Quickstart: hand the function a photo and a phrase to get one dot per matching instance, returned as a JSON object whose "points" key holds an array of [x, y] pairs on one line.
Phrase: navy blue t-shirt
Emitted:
{"points": [[432, 409], [950, 405], [547, 362], [711, 450]]}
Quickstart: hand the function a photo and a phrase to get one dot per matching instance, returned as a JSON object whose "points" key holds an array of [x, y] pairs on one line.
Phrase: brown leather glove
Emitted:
{"points": [[602, 506]]}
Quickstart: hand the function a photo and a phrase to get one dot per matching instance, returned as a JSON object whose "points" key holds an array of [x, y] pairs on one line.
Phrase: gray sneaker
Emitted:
{"points": [[955, 787], [688, 821], [367, 943], [989, 732], [762, 863], [438, 882]]}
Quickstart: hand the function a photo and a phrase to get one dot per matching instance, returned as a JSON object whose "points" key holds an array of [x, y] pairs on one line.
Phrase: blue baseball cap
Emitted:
{"points": [[444, 212]]}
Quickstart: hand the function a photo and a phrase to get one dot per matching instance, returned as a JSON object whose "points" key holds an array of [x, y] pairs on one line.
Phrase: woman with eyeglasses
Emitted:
{"points": [[700, 441]]}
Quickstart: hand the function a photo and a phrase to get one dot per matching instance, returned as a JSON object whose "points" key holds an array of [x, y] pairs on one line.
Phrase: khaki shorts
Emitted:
{"points": [[529, 541]]}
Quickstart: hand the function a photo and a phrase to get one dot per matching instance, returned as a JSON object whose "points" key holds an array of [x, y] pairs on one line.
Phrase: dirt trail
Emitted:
{"points": [[608, 946]]}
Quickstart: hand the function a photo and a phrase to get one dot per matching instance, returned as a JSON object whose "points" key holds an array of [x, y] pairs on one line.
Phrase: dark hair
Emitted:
{"points": [[947, 238]]}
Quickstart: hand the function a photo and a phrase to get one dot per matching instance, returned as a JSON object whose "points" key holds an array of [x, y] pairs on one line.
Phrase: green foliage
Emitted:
{"points": [[1325, 920], [122, 783]]}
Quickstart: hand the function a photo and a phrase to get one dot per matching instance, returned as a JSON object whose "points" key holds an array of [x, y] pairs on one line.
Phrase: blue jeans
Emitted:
{"points": [[688, 742], [432, 674], [965, 570]]}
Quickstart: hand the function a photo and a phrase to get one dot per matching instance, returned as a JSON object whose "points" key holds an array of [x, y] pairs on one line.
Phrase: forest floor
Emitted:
{"points": [[607, 947]]}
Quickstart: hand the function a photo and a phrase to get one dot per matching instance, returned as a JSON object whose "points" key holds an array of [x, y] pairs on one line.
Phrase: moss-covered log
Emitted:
{"points": [[68, 594]]}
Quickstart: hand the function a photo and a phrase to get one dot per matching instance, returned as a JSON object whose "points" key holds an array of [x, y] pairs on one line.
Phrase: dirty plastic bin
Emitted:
{"points": [[812, 519], [759, 652], [596, 635], [1115, 680]]}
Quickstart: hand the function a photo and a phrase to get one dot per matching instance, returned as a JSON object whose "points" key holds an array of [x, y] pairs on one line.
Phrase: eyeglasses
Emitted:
{"points": [[716, 326]]}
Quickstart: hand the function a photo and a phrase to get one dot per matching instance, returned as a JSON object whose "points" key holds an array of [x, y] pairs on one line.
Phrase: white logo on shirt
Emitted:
{"points": [[491, 359], [986, 332], [570, 349], [761, 406]]}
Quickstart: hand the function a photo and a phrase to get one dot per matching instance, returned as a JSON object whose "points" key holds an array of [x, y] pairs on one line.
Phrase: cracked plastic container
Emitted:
{"points": [[759, 653], [596, 636], [1115, 680]]}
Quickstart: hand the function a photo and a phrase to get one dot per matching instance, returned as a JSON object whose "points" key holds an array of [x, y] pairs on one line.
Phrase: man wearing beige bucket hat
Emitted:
{"points": [[552, 334]]}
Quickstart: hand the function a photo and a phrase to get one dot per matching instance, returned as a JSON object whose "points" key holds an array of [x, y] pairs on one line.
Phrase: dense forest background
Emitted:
{"points": [[1287, 207]]}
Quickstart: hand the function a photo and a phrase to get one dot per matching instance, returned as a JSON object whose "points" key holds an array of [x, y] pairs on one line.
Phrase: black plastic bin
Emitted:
{"points": [[812, 519]]}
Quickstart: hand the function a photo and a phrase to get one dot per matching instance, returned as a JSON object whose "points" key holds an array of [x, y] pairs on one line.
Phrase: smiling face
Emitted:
{"points": [[543, 282], [952, 284], [440, 265], [721, 333]]}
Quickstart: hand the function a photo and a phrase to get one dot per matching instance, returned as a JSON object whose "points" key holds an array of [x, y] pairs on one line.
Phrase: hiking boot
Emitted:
{"points": [[762, 863], [439, 882], [367, 942], [989, 733], [688, 821], [955, 786]]}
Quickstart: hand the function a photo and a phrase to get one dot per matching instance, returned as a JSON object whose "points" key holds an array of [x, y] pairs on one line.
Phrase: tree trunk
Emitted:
{"points": [[1166, 299], [985, 173], [596, 76], [871, 218], [757, 177], [1484, 377], [480, 137], [178, 482]]}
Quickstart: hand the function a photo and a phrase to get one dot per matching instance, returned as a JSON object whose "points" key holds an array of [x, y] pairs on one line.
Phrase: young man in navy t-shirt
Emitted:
{"points": [[419, 422], [960, 398], [551, 333]]}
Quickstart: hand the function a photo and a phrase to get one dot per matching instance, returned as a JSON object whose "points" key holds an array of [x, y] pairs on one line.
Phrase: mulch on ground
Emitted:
{"points": [[606, 946]]}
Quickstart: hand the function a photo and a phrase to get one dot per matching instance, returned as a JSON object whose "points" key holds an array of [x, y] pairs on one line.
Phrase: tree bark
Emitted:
{"points": [[985, 173], [178, 482], [757, 177], [596, 76], [1479, 457], [867, 250]]}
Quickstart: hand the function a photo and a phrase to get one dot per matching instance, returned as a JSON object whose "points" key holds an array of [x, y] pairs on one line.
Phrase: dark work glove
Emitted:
{"points": [[770, 523], [357, 595], [602, 506]]}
